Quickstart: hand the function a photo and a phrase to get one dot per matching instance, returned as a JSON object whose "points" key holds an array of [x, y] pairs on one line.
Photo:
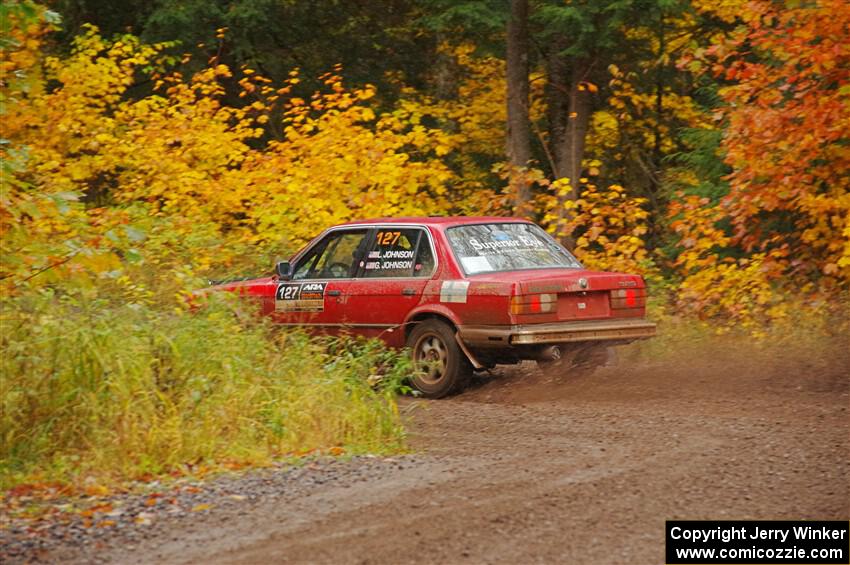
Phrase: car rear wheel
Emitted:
{"points": [[441, 366]]}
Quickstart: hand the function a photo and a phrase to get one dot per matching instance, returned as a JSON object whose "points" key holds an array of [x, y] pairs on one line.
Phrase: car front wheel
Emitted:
{"points": [[441, 366]]}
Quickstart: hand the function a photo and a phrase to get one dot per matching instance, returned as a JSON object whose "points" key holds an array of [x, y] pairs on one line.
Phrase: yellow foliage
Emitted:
{"points": [[342, 162], [179, 175], [732, 293], [726, 10], [750, 292], [633, 114], [608, 227]]}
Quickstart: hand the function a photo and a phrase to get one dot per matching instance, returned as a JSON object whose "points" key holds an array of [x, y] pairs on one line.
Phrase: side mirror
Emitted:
{"points": [[283, 270]]}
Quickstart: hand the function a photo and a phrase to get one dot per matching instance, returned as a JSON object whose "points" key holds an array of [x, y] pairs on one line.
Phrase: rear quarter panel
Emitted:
{"points": [[480, 302]]}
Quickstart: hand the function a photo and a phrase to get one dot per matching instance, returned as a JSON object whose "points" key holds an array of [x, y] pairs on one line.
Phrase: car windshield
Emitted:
{"points": [[489, 248]]}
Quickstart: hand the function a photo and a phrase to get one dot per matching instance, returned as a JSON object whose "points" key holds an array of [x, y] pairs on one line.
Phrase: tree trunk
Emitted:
{"points": [[570, 152], [557, 102], [518, 139], [447, 71]]}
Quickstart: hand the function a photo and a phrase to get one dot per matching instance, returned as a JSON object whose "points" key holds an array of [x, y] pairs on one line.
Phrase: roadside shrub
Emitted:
{"points": [[95, 389]]}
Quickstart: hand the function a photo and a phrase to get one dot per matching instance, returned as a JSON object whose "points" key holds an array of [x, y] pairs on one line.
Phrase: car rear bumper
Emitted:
{"points": [[591, 330]]}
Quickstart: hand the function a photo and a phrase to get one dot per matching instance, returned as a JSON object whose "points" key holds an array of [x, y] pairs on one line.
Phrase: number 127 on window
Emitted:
{"points": [[388, 237]]}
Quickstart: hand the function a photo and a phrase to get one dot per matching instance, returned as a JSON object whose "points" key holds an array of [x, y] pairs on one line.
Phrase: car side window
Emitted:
{"points": [[399, 252], [336, 256], [425, 263]]}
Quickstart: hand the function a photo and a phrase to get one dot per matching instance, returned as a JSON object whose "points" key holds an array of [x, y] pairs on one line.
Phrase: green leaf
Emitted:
{"points": [[133, 256]]}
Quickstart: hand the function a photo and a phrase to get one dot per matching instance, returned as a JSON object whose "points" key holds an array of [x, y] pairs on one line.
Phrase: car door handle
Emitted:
{"points": [[408, 292], [334, 292]]}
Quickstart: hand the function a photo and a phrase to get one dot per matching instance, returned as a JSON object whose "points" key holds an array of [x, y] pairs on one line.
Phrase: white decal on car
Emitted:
{"points": [[300, 297], [475, 264], [454, 291]]}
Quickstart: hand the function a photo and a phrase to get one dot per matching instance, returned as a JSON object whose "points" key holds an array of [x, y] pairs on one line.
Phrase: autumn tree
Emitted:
{"points": [[582, 40], [788, 114], [95, 167], [771, 219]]}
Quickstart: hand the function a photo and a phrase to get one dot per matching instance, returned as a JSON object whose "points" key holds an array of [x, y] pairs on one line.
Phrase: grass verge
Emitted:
{"points": [[94, 391]]}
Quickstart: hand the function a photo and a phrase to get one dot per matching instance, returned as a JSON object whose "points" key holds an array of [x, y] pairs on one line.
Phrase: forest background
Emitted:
{"points": [[149, 146]]}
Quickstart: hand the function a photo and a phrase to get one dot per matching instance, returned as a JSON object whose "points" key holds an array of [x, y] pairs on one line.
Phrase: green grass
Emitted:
{"points": [[93, 390]]}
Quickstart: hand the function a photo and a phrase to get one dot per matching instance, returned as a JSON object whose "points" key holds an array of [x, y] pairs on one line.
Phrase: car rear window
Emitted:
{"points": [[490, 248]]}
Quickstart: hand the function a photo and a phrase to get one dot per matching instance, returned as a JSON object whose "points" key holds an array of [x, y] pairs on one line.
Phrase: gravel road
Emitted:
{"points": [[519, 470]]}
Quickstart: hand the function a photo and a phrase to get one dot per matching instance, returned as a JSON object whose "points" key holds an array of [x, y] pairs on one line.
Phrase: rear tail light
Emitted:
{"points": [[534, 303], [628, 298]]}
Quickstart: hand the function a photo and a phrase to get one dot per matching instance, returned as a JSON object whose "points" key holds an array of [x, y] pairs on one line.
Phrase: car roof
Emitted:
{"points": [[438, 221]]}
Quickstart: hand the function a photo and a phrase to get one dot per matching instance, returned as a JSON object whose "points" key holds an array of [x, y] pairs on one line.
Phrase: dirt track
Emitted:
{"points": [[518, 470]]}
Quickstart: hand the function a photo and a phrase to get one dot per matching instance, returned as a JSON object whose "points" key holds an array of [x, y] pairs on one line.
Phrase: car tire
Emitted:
{"points": [[441, 366]]}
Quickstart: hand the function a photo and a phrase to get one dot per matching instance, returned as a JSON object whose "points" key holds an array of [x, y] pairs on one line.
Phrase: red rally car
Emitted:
{"points": [[462, 293]]}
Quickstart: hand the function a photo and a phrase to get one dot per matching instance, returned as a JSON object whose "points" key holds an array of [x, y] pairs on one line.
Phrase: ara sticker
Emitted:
{"points": [[454, 291], [300, 297]]}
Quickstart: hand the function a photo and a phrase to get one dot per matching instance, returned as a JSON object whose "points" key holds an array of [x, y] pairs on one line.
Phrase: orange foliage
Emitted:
{"points": [[784, 227], [788, 113]]}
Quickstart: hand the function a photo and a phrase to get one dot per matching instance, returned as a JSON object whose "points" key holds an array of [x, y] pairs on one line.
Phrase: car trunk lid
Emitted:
{"points": [[566, 295]]}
